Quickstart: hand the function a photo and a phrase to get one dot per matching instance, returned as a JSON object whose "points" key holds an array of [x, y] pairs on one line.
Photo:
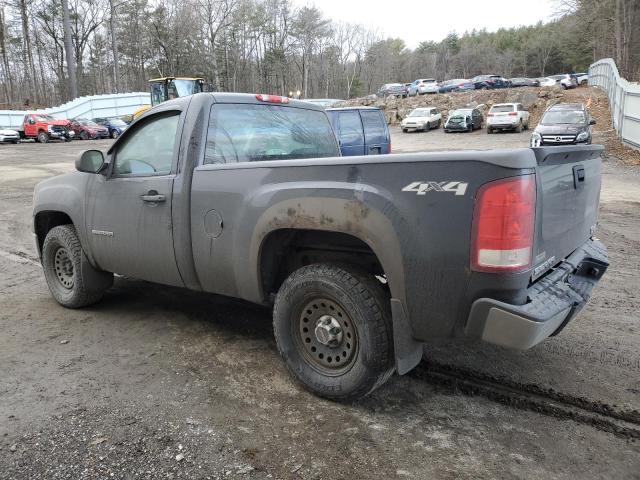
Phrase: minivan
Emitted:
{"points": [[360, 130]]}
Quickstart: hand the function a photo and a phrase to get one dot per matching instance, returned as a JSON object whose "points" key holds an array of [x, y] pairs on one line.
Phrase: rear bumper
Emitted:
{"points": [[552, 302]]}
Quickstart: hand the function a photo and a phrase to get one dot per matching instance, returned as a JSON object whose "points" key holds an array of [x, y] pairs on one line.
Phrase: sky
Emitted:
{"points": [[416, 21]]}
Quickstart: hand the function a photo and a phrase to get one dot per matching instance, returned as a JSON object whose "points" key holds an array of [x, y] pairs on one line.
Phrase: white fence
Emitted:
{"points": [[624, 100], [88, 107]]}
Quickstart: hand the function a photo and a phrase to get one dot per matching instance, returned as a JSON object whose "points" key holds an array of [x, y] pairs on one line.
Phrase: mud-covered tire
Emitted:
{"points": [[61, 262], [362, 358]]}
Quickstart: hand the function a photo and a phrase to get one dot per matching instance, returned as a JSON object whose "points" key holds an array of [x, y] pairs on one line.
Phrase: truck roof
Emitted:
{"points": [[352, 108], [252, 98]]}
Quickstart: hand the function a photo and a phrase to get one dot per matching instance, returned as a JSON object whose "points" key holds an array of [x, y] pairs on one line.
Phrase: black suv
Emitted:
{"points": [[563, 124]]}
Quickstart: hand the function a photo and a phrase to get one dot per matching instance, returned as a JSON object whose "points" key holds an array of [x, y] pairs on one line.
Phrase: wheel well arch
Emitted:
{"points": [[46, 220], [285, 250]]}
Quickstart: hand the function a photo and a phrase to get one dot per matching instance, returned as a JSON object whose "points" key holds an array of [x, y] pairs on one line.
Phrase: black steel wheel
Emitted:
{"points": [[333, 328], [326, 336]]}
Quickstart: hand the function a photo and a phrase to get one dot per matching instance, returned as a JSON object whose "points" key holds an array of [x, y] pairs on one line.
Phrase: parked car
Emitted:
{"points": [[423, 86], [524, 82], [567, 80], [507, 116], [86, 129], [489, 82], [360, 130], [547, 81], [456, 85], [405, 90], [582, 78], [463, 120], [422, 119], [115, 125], [563, 124], [343, 248], [391, 90], [9, 136], [43, 127]]}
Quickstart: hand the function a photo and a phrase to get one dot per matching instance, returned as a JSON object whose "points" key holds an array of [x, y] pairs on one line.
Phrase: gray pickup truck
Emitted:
{"points": [[363, 258]]}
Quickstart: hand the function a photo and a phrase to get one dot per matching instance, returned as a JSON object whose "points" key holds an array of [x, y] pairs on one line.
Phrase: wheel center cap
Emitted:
{"points": [[328, 331]]}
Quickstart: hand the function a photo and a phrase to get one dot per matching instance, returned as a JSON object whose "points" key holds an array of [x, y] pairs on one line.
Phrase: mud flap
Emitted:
{"points": [[408, 352], [94, 280]]}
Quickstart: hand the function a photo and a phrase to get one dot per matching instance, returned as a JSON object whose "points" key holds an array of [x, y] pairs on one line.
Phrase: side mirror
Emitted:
{"points": [[32, 121], [592, 122], [91, 161]]}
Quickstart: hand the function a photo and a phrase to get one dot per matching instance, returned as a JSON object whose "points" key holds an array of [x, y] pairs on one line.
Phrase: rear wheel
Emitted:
{"points": [[489, 130], [84, 135], [333, 328], [519, 127], [43, 137], [61, 262]]}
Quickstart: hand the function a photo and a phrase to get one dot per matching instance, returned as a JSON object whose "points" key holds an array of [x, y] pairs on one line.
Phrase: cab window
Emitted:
{"points": [[149, 149]]}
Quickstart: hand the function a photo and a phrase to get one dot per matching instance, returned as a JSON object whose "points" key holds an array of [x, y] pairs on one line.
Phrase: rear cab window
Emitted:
{"points": [[259, 132], [502, 109]]}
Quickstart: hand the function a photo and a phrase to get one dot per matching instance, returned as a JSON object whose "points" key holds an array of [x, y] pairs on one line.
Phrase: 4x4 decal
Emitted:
{"points": [[421, 188]]}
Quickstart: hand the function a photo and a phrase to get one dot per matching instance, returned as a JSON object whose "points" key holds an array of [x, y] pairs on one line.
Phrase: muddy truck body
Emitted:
{"points": [[363, 258]]}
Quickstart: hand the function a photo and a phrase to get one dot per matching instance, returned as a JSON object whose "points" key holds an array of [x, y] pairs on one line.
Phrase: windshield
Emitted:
{"points": [[182, 88], [116, 122], [44, 118], [461, 113], [502, 109], [420, 112], [89, 123], [563, 117], [250, 133]]}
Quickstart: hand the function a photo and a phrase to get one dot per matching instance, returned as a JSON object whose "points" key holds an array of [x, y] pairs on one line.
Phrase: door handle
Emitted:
{"points": [[153, 196]]}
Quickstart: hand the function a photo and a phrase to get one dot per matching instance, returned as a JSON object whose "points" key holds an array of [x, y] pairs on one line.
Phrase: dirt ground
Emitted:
{"points": [[157, 382]]}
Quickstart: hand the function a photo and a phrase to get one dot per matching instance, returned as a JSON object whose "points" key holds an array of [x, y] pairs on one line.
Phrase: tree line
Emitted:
{"points": [[54, 50]]}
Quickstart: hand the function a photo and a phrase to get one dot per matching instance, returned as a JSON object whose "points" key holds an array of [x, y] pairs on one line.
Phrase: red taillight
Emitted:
{"points": [[513, 114], [503, 224], [271, 98]]}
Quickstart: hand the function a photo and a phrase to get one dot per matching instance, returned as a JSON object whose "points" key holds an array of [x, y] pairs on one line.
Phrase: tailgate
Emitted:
{"points": [[568, 189]]}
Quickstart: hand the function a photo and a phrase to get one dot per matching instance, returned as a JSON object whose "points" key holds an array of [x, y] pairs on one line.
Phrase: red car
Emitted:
{"points": [[86, 129]]}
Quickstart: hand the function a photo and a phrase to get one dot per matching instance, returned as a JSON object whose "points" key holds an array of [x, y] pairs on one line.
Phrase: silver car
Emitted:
{"points": [[422, 86]]}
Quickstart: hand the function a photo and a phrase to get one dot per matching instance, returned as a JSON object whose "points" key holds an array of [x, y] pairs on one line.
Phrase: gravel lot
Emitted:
{"points": [[156, 382]]}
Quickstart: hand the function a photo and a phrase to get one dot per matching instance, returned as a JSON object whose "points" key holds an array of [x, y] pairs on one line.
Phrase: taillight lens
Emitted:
{"points": [[271, 98], [503, 225], [513, 114]]}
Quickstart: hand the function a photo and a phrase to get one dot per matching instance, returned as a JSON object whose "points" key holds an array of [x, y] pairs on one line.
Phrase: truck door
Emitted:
{"points": [[29, 126], [129, 210], [350, 133]]}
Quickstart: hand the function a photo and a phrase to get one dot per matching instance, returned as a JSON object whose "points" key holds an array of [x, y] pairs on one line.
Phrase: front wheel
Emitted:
{"points": [[43, 137], [62, 265], [114, 134], [333, 328]]}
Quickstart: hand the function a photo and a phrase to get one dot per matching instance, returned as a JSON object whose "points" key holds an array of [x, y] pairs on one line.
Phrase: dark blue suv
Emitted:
{"points": [[360, 130]]}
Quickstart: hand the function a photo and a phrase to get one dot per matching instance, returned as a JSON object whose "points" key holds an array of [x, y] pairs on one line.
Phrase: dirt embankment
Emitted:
{"points": [[534, 99]]}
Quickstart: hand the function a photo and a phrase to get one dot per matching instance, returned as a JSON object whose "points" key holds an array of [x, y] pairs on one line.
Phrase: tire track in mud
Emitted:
{"points": [[608, 418]]}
